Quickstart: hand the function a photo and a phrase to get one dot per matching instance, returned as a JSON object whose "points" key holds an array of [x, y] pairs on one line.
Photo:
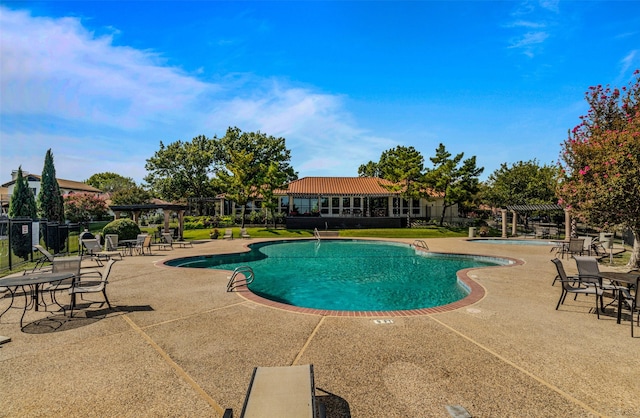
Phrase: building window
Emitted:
{"points": [[324, 205], [335, 206]]}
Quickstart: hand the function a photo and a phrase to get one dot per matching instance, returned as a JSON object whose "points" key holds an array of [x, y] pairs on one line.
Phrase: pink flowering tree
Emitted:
{"points": [[600, 162], [82, 207]]}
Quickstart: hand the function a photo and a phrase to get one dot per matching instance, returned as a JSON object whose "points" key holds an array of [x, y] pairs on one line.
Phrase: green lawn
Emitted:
{"points": [[261, 232]]}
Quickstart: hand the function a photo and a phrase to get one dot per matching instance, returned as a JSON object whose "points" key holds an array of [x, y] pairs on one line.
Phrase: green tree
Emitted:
{"points": [[50, 200], [404, 167], [601, 162], [243, 160], [524, 183], [21, 205], [83, 207], [274, 179], [182, 170], [135, 195], [369, 169], [109, 182], [454, 182]]}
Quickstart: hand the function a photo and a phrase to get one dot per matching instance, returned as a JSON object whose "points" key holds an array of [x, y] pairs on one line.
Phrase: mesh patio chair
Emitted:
{"points": [[87, 286], [571, 284], [632, 302]]}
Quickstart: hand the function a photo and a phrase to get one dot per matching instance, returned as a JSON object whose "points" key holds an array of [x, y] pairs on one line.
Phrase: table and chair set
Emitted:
{"points": [[620, 287], [63, 275]]}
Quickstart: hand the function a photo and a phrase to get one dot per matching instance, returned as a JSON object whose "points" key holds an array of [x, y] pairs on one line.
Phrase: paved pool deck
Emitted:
{"points": [[178, 345]]}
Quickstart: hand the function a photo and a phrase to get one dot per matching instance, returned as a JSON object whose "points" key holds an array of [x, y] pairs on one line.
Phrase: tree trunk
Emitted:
{"points": [[444, 211], [634, 260]]}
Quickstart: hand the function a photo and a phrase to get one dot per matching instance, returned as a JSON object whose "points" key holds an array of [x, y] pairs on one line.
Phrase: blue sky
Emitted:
{"points": [[101, 83]]}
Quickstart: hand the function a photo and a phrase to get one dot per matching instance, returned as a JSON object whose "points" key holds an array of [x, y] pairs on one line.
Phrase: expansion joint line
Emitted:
{"points": [[179, 370], [528, 373], [306, 344]]}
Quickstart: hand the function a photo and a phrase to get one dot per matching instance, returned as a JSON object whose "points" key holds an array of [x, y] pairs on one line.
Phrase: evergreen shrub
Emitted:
{"points": [[124, 228]]}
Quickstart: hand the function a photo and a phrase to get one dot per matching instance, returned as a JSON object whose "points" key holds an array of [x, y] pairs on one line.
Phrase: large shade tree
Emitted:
{"points": [[404, 167], [242, 164], [21, 205], [109, 182], [522, 183], [182, 170], [456, 180], [601, 162]]}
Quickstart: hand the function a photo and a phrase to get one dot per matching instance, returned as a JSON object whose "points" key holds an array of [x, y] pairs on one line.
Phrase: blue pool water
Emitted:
{"points": [[348, 275]]}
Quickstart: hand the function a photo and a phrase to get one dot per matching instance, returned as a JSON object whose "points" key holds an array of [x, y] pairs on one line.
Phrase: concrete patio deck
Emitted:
{"points": [[178, 344]]}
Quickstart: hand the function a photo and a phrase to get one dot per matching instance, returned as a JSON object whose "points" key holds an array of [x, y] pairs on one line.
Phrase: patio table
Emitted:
{"points": [[626, 278], [33, 281], [129, 243]]}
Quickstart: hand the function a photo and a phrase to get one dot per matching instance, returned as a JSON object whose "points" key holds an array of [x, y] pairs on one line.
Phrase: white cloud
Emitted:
{"points": [[102, 107]]}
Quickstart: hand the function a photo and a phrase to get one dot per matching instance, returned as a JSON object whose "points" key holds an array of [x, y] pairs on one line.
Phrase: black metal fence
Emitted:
{"points": [[19, 235]]}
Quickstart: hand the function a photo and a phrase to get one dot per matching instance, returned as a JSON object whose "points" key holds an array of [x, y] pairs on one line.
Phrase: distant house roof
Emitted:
{"points": [[76, 186], [337, 186]]}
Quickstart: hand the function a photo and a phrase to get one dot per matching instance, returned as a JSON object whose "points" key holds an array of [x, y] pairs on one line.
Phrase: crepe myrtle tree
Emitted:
{"points": [[600, 162]]}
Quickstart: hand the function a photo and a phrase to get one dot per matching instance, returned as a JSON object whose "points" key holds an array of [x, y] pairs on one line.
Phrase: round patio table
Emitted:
{"points": [[33, 281]]}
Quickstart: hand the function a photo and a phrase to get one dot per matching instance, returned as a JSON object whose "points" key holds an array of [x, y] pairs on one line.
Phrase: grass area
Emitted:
{"points": [[261, 232]]}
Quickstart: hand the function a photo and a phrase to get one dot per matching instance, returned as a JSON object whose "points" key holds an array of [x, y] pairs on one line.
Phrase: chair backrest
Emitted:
{"points": [[576, 245], [44, 252], [67, 265], [111, 242], [563, 275], [92, 245], [168, 238], [587, 242], [587, 268], [140, 240]]}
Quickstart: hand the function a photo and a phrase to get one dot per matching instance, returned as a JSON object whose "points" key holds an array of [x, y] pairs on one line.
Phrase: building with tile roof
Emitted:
{"points": [[66, 187], [344, 201]]}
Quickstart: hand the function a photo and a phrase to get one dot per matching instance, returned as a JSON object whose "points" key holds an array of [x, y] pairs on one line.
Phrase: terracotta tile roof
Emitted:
{"points": [[63, 184], [326, 186]]}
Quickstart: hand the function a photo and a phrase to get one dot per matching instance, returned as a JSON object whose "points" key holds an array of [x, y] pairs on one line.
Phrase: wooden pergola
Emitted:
{"points": [[516, 209], [166, 208]]}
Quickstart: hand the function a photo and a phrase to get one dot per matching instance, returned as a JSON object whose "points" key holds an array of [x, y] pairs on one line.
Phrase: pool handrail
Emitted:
{"points": [[421, 244], [242, 276]]}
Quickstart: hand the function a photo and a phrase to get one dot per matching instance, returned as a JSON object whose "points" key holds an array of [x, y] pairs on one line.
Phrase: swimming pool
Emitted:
{"points": [[349, 275]]}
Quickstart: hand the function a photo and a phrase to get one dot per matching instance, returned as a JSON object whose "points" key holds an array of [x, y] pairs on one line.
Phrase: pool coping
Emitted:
{"points": [[476, 293]]}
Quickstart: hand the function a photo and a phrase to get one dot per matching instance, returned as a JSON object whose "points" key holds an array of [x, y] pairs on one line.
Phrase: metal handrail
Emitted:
{"points": [[242, 276], [316, 233], [420, 244]]}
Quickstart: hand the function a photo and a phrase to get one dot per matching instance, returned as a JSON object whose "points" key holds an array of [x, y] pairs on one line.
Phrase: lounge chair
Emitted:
{"points": [[95, 251], [46, 256], [170, 241], [571, 284], [244, 233], [283, 392], [228, 234]]}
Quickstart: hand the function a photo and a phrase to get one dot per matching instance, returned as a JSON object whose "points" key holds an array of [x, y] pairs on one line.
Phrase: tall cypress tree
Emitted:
{"points": [[22, 204], [50, 201]]}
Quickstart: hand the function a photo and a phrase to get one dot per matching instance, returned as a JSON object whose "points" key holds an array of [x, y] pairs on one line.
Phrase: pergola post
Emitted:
{"points": [[180, 223], [504, 222], [167, 215], [514, 223], [567, 224]]}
